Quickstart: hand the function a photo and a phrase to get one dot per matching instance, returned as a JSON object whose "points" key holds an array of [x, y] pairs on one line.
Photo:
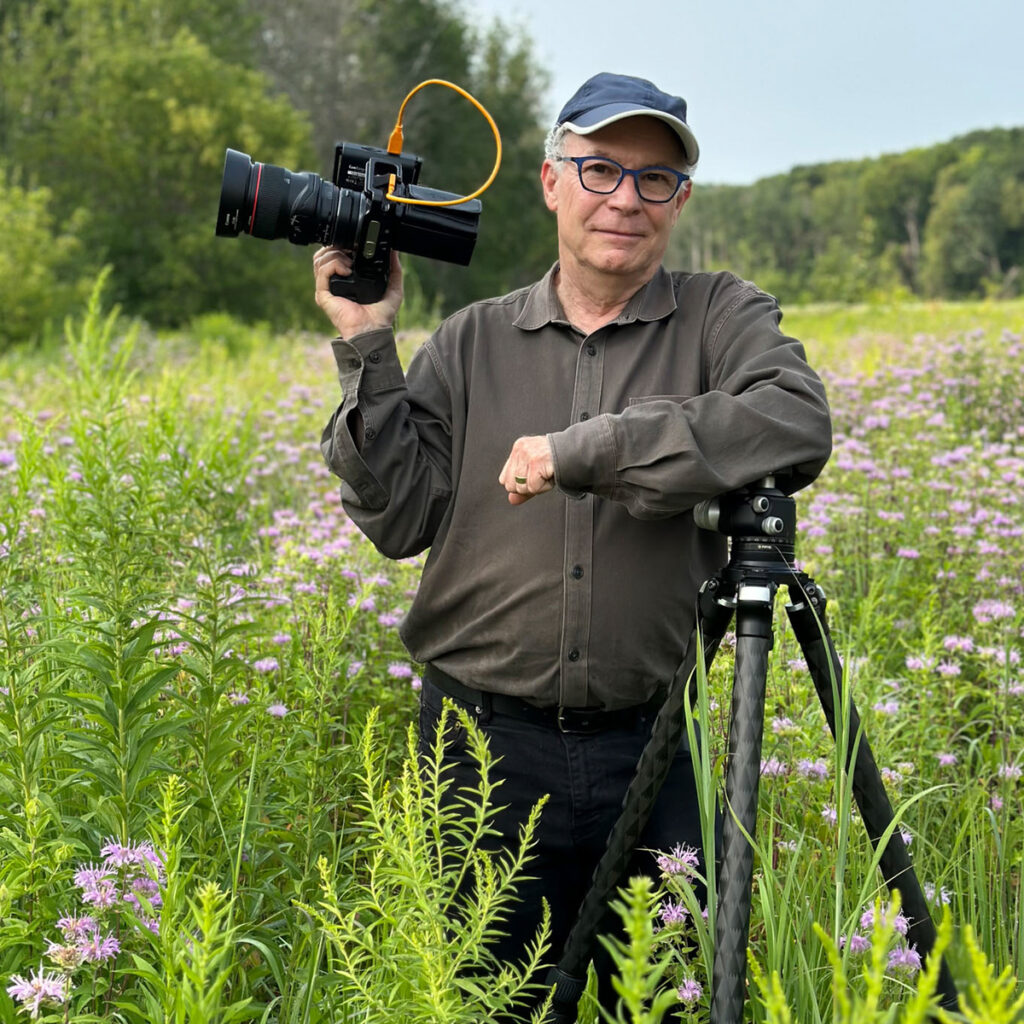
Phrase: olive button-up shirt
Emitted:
{"points": [[585, 596]]}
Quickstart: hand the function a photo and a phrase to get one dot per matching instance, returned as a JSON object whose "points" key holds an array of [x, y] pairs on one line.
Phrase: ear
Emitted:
{"points": [[681, 196], [549, 175]]}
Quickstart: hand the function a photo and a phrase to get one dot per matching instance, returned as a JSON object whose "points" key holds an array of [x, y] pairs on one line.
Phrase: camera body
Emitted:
{"points": [[353, 212]]}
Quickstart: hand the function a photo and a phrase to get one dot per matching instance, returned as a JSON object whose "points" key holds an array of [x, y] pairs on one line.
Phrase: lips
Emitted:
{"points": [[617, 233]]}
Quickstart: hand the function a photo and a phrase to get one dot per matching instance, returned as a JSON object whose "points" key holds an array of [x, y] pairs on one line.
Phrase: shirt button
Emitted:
{"points": [[574, 654], [591, 350], [370, 434], [354, 364], [576, 572], [584, 416], [374, 357]]}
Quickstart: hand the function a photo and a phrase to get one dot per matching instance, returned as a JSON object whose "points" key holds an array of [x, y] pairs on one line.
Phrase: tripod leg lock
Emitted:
{"points": [[565, 998], [754, 610]]}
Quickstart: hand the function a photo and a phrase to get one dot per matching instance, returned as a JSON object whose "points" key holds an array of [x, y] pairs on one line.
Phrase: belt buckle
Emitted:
{"points": [[575, 720]]}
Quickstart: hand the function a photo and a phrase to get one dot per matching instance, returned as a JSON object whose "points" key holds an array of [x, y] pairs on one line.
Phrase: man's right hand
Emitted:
{"points": [[352, 318]]}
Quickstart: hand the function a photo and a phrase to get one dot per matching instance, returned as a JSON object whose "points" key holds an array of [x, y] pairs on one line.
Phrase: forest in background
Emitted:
{"points": [[115, 115], [946, 221]]}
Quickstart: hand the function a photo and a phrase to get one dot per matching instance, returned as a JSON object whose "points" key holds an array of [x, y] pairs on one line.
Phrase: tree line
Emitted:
{"points": [[946, 221], [115, 116]]}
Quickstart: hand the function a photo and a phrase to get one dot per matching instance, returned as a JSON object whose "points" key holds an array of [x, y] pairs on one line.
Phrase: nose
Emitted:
{"points": [[627, 195]]}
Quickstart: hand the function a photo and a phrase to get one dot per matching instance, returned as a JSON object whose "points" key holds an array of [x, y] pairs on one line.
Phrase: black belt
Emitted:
{"points": [[583, 720]]}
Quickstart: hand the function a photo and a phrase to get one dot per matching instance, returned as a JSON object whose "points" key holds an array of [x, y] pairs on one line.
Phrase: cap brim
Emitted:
{"points": [[612, 112]]}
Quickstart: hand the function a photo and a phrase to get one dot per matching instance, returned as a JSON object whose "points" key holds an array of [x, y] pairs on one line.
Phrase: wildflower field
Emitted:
{"points": [[209, 809]]}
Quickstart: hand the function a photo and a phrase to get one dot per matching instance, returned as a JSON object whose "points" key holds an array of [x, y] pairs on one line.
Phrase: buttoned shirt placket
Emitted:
{"points": [[577, 570]]}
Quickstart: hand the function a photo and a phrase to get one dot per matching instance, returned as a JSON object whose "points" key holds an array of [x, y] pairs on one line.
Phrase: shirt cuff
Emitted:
{"points": [[584, 457], [368, 362]]}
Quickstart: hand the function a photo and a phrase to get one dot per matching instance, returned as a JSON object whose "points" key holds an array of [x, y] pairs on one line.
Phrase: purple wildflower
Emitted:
{"points": [[817, 769], [673, 913], [124, 854], [690, 991], [38, 990], [266, 665], [905, 958], [682, 860], [98, 948], [277, 710], [74, 928], [990, 611], [920, 662], [937, 896], [958, 643], [100, 891], [858, 943], [399, 670], [90, 875], [68, 958]]}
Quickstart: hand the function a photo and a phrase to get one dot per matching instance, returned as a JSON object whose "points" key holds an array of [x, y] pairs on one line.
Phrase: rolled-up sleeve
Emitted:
{"points": [[762, 410]]}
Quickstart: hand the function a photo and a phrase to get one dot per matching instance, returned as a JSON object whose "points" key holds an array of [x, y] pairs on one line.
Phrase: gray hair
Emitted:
{"points": [[554, 144]]}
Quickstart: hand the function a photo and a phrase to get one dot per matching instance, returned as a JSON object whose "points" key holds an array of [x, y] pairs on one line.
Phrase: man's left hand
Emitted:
{"points": [[528, 470]]}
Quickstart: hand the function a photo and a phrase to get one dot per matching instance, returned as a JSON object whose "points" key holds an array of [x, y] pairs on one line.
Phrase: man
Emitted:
{"points": [[548, 447]]}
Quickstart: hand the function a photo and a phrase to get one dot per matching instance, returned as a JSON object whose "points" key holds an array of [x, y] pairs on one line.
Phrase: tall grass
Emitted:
{"points": [[199, 658]]}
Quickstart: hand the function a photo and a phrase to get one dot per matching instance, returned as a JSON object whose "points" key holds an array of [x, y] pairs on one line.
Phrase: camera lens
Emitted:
{"points": [[236, 194], [353, 212], [268, 201]]}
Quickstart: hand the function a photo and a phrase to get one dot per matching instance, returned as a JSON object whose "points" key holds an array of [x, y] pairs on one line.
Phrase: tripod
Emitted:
{"points": [[761, 522]]}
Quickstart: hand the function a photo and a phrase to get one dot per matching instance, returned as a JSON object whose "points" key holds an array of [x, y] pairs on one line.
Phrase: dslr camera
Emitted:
{"points": [[371, 206]]}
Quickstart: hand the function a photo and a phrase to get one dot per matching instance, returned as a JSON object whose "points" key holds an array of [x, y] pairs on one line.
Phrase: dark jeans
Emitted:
{"points": [[586, 776]]}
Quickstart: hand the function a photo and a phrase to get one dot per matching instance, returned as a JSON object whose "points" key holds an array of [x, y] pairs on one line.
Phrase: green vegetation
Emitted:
{"points": [[207, 807], [115, 115], [947, 221]]}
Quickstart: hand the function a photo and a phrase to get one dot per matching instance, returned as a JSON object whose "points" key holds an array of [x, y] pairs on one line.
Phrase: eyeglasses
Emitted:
{"points": [[603, 176]]}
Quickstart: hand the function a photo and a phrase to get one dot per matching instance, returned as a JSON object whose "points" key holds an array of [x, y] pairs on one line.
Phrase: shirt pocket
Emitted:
{"points": [[643, 399]]}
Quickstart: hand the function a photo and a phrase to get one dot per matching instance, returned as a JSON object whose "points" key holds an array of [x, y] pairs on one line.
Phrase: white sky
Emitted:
{"points": [[771, 85]]}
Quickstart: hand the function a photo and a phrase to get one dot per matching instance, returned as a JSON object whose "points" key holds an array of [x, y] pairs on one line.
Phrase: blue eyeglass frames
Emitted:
{"points": [[602, 175]]}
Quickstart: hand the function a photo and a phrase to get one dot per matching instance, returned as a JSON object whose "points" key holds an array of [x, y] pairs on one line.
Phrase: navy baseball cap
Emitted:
{"points": [[607, 98]]}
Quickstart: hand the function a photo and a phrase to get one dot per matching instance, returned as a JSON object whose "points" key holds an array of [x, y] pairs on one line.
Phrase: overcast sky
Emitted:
{"points": [[771, 85]]}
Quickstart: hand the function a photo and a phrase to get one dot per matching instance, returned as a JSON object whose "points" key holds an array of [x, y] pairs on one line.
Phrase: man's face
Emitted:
{"points": [[618, 235]]}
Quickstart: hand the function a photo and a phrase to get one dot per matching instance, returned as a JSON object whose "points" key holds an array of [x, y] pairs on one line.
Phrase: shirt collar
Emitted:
{"points": [[654, 300]]}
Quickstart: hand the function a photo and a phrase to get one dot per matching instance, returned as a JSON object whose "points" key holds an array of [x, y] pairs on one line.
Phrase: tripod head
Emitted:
{"points": [[760, 522]]}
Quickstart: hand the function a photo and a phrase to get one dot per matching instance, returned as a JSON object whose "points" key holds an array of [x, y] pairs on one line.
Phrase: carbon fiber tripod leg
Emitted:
{"points": [[753, 644], [569, 976], [811, 628]]}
